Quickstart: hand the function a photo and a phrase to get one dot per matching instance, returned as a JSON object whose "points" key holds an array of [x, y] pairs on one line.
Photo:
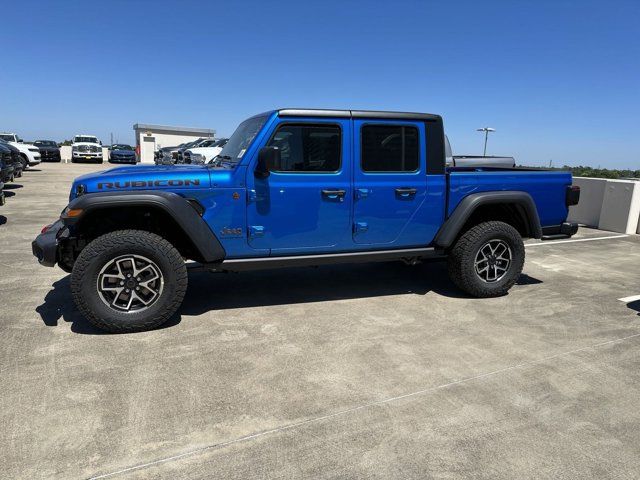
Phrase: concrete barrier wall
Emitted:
{"points": [[612, 205], [588, 210], [620, 206]]}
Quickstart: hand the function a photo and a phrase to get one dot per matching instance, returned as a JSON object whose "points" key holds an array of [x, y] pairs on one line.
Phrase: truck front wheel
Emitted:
{"points": [[487, 259], [128, 281]]}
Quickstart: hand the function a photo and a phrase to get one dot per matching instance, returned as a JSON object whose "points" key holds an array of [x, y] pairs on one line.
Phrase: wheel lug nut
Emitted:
{"points": [[121, 283], [138, 278], [137, 288], [127, 290]]}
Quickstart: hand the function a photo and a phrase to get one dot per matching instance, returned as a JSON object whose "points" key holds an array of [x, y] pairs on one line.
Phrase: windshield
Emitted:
{"points": [[241, 139], [120, 146], [85, 140], [8, 138], [45, 143]]}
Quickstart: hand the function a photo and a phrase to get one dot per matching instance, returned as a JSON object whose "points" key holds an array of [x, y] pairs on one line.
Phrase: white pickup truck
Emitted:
{"points": [[86, 148], [29, 153]]}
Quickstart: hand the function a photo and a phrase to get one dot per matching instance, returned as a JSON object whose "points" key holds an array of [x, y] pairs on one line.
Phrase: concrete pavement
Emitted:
{"points": [[366, 371]]}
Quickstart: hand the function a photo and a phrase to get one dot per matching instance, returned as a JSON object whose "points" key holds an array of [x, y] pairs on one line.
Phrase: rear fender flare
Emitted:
{"points": [[454, 224]]}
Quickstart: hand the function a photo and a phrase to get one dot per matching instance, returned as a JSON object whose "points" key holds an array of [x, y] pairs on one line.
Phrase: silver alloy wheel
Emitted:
{"points": [[493, 261], [130, 283]]}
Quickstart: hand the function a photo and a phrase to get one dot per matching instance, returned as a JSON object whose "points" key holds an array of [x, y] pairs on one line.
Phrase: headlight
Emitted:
{"points": [[80, 190], [34, 149]]}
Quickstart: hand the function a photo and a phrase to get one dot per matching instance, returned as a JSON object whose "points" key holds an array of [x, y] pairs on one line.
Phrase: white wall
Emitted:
{"points": [[620, 206], [160, 140], [612, 205]]}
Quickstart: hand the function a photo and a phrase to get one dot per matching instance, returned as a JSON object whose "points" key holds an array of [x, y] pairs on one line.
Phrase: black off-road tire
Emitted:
{"points": [[84, 280], [461, 261]]}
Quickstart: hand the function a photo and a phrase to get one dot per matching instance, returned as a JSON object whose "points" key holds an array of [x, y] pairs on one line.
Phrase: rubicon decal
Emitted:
{"points": [[148, 183]]}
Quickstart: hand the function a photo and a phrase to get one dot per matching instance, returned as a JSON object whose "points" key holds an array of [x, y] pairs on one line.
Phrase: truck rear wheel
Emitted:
{"points": [[487, 259], [128, 281]]}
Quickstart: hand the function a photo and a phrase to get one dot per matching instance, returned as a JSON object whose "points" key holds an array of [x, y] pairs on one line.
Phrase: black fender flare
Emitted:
{"points": [[179, 208], [454, 224]]}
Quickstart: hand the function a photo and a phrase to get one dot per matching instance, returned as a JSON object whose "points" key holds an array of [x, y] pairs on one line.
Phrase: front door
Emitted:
{"points": [[305, 206], [390, 183]]}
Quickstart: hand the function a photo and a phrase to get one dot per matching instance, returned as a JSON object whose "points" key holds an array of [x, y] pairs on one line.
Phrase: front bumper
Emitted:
{"points": [[115, 159], [45, 246], [86, 156], [50, 155]]}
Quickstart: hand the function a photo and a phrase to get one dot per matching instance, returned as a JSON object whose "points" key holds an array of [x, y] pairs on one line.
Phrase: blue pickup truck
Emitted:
{"points": [[297, 187]]}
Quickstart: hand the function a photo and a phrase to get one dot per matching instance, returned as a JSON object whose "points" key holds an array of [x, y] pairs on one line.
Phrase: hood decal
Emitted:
{"points": [[149, 183]]}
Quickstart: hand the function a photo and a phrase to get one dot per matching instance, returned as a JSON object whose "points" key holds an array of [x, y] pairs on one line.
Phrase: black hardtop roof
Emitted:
{"points": [[311, 112]]}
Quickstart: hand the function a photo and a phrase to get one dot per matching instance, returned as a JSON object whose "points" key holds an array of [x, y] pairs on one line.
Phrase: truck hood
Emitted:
{"points": [[143, 177], [90, 144]]}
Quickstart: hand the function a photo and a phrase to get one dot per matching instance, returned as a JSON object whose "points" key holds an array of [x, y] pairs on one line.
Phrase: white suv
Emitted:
{"points": [[29, 153], [206, 151], [86, 147]]}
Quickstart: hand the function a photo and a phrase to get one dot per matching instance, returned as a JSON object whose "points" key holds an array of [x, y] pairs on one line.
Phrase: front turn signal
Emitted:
{"points": [[72, 212]]}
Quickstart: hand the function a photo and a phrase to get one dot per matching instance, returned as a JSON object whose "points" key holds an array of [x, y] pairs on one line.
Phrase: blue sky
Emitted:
{"points": [[558, 80]]}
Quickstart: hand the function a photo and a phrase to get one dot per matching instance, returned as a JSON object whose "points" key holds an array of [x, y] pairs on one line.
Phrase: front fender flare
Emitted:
{"points": [[454, 224], [179, 208]]}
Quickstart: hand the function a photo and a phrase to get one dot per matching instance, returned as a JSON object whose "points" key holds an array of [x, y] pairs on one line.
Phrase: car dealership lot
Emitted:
{"points": [[366, 371]]}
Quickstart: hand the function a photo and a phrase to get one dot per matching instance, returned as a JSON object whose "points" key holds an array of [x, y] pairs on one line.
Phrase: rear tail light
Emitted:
{"points": [[45, 228], [573, 195]]}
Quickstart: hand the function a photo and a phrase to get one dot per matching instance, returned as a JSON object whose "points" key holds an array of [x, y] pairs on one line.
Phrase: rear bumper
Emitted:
{"points": [[565, 229], [45, 246]]}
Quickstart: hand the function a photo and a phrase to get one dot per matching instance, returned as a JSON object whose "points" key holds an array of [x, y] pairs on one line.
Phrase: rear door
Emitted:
{"points": [[389, 182]]}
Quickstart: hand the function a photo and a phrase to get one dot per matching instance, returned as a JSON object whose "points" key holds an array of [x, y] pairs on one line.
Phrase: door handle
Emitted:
{"points": [[333, 194], [405, 192]]}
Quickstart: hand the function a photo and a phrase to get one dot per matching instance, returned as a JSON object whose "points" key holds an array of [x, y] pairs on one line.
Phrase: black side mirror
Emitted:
{"points": [[268, 160]]}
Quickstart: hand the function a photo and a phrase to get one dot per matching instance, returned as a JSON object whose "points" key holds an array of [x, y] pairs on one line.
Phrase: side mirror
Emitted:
{"points": [[20, 140], [268, 160]]}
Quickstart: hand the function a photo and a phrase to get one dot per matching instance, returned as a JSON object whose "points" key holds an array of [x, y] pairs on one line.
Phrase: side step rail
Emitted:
{"points": [[409, 255]]}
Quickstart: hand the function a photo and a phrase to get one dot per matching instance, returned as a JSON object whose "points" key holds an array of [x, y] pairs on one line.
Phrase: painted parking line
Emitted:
{"points": [[576, 240], [633, 298]]}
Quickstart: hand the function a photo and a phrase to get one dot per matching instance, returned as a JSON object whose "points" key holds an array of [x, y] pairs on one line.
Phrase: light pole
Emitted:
{"points": [[486, 131]]}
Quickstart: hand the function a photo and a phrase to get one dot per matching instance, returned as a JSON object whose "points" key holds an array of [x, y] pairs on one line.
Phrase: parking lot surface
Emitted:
{"points": [[365, 371]]}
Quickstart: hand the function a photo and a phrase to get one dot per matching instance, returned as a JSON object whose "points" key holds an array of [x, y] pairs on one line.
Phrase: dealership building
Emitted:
{"points": [[150, 138]]}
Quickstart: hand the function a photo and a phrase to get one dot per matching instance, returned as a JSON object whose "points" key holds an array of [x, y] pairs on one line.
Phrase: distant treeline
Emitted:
{"points": [[601, 172]]}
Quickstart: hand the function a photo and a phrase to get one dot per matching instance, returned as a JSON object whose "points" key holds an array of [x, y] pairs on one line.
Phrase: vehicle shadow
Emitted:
{"points": [[8, 194], [34, 170], [635, 305], [12, 186], [58, 305], [327, 283], [221, 291], [3, 219]]}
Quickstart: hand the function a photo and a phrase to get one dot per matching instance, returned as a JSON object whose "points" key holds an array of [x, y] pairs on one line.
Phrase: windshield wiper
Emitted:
{"points": [[218, 159]]}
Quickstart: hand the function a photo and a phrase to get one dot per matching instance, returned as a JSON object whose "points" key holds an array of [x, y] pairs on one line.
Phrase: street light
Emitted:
{"points": [[486, 131]]}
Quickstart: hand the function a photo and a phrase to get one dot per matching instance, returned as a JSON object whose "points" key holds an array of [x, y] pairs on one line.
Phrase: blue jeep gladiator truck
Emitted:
{"points": [[297, 187]]}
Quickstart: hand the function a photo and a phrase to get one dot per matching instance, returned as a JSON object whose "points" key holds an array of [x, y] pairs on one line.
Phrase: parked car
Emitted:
{"points": [[49, 150], [86, 148], [122, 153], [1, 182], [294, 188], [205, 152], [29, 153], [167, 155], [6, 167], [185, 147], [15, 160]]}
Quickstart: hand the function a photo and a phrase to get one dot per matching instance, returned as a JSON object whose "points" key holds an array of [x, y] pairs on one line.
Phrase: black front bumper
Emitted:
{"points": [[45, 246]]}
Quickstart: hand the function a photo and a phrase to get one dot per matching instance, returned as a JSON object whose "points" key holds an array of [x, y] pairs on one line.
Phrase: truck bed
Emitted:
{"points": [[546, 187]]}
